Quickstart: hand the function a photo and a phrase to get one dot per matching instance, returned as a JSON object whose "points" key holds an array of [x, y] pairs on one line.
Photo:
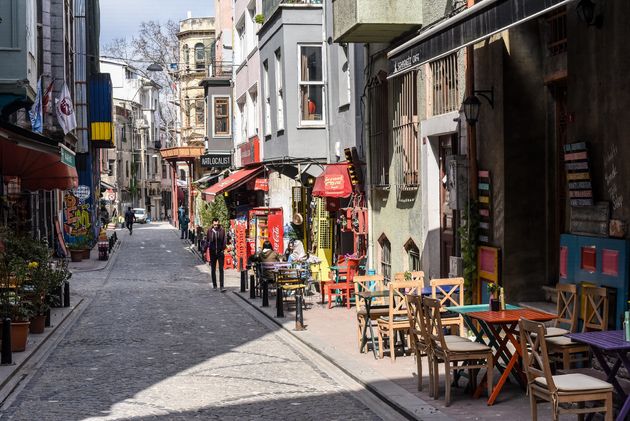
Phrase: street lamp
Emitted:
{"points": [[472, 105]]}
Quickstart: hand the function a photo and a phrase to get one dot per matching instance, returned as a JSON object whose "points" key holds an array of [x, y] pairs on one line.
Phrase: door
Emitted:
{"points": [[447, 145]]}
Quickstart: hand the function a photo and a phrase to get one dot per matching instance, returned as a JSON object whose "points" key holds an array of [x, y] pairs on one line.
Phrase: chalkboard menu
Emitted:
{"points": [[576, 163]]}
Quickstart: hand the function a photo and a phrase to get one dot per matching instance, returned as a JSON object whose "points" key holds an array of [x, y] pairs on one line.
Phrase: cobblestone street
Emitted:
{"points": [[156, 342]]}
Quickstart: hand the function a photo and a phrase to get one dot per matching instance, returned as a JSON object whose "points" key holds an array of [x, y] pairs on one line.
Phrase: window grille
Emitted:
{"points": [[557, 32], [386, 258], [413, 254], [445, 85], [379, 140], [405, 131]]}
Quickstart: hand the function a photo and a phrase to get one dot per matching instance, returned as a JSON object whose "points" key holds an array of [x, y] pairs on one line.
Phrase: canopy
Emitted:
{"points": [[333, 182], [38, 170], [236, 179]]}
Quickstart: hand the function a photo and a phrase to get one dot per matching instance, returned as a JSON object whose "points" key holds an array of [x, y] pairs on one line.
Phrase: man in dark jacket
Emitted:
{"points": [[130, 218], [216, 243]]}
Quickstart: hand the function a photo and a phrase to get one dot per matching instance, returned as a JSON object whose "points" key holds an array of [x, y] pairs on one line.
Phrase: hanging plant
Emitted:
{"points": [[468, 234], [259, 18]]}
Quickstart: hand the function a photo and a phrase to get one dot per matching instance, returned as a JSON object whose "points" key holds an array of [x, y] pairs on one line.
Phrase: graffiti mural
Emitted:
{"points": [[76, 219]]}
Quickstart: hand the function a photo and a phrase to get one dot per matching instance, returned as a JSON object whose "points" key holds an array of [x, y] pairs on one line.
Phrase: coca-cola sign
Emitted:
{"points": [[276, 238]]}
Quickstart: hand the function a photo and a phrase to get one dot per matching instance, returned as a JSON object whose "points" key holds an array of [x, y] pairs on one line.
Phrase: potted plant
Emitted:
{"points": [[41, 276], [493, 290]]}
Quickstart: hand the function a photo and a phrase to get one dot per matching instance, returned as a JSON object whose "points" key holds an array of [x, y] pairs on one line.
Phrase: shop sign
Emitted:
{"points": [[334, 182], [261, 184], [250, 151], [216, 160], [67, 156]]}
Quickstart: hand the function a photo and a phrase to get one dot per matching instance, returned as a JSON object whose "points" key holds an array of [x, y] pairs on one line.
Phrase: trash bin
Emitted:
{"points": [[103, 250]]}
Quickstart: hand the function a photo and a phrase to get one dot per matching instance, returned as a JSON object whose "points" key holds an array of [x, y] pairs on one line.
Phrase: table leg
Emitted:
{"points": [[365, 326], [611, 373], [368, 307], [625, 409], [513, 360]]}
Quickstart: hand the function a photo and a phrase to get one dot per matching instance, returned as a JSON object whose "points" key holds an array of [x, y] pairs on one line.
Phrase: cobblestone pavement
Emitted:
{"points": [[156, 342]]}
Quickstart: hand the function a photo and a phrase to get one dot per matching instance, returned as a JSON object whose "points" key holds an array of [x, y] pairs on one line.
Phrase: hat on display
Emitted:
{"points": [[297, 219]]}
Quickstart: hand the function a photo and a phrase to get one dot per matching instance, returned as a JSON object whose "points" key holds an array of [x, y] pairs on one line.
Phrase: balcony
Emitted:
{"points": [[269, 7], [374, 21], [219, 69]]}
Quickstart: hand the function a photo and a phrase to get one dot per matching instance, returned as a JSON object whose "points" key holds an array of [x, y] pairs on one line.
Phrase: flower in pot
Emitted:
{"points": [[41, 276]]}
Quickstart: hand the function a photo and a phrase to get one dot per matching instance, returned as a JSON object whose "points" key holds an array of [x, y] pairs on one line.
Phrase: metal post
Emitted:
{"points": [[299, 315], [7, 356], [265, 293], [252, 286], [243, 280], [279, 303], [66, 294]]}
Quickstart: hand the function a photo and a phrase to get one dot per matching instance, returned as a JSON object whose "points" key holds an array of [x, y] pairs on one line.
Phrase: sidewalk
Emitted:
{"points": [[333, 334]]}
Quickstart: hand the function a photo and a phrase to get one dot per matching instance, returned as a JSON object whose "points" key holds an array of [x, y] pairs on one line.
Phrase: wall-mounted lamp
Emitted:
{"points": [[472, 104], [586, 11]]}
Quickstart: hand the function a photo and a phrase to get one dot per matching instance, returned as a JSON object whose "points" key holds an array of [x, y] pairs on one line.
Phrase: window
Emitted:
{"points": [[199, 114], [557, 31], [221, 118], [413, 256], [127, 169], [200, 56], [405, 130], [386, 258], [164, 171], [239, 53], [311, 89], [252, 114], [250, 24], [445, 85], [379, 132], [279, 93], [267, 103], [186, 55]]}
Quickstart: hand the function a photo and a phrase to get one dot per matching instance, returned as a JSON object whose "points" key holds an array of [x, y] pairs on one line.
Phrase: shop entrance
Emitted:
{"points": [[446, 146]]}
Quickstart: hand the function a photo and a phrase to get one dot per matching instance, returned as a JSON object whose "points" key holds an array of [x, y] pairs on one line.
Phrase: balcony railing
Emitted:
{"points": [[269, 6], [219, 69]]}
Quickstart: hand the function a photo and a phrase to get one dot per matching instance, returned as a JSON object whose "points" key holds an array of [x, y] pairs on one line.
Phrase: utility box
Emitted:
{"points": [[457, 181]]}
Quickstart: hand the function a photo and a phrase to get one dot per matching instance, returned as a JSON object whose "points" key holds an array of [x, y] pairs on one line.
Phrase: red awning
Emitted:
{"points": [[333, 182], [235, 180], [38, 170]]}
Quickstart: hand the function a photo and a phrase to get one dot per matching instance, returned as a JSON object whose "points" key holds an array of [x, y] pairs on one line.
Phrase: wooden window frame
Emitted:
{"points": [[379, 142], [405, 130], [228, 117]]}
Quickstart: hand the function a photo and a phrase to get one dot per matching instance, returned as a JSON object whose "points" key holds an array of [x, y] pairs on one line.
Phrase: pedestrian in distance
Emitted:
{"points": [[183, 226], [130, 218], [216, 242]]}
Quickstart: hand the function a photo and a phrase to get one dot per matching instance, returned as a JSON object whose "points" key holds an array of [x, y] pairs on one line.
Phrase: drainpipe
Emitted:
{"points": [[368, 173]]}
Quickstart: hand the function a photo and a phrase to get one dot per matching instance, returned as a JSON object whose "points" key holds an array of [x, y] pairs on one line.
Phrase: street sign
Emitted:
{"points": [[216, 160], [110, 195], [67, 156]]}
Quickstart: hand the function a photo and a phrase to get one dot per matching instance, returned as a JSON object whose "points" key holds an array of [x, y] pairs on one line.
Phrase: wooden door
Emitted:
{"points": [[447, 215]]}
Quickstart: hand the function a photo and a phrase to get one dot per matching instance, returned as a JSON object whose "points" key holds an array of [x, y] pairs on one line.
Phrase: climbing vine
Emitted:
{"points": [[468, 234]]}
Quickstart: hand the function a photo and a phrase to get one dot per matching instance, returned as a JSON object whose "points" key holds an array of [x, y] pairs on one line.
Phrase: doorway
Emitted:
{"points": [[447, 145]]}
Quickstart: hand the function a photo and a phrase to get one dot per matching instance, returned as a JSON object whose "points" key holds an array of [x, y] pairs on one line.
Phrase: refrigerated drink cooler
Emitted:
{"points": [[265, 224]]}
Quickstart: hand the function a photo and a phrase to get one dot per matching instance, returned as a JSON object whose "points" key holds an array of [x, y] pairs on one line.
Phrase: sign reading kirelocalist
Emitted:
{"points": [[218, 160]]}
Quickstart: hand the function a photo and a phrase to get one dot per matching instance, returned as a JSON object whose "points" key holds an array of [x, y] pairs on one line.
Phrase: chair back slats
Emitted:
{"points": [[567, 306], [434, 330], [534, 350], [415, 276], [596, 309], [453, 296], [416, 321], [397, 292], [369, 283]]}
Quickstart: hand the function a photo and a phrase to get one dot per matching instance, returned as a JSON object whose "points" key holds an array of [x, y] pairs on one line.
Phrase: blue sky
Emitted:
{"points": [[121, 18]]}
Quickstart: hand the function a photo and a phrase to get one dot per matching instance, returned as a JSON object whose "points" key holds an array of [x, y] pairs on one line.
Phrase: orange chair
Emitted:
{"points": [[343, 285]]}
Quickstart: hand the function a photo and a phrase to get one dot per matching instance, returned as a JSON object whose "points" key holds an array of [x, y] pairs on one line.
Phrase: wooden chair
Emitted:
{"points": [[567, 308], [417, 275], [559, 389], [595, 319], [450, 292], [397, 319], [369, 283], [343, 284], [473, 355]]}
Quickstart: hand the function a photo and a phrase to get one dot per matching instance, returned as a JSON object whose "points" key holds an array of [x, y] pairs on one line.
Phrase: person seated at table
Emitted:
{"points": [[267, 255], [295, 252]]}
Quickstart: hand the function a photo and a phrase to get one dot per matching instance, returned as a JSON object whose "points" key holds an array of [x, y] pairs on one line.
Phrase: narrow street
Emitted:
{"points": [[156, 342]]}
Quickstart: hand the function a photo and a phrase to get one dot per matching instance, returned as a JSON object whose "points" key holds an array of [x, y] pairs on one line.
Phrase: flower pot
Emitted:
{"points": [[86, 254], [38, 323], [19, 336], [76, 255]]}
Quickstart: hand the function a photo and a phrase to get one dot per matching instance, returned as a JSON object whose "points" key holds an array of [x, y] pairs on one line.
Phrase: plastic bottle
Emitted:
{"points": [[626, 325], [502, 298]]}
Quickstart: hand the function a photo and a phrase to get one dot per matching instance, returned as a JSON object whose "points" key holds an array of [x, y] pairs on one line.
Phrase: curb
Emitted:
{"points": [[393, 404]]}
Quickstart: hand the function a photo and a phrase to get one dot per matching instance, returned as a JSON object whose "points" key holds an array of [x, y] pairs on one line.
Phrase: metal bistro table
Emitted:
{"points": [[500, 328], [610, 343], [367, 297]]}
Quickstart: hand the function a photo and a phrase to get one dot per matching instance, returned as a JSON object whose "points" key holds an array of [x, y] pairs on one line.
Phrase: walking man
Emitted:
{"points": [[129, 220], [216, 245]]}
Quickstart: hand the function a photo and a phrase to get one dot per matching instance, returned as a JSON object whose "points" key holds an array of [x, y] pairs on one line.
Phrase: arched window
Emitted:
{"points": [[413, 255], [385, 257], [186, 55], [200, 56]]}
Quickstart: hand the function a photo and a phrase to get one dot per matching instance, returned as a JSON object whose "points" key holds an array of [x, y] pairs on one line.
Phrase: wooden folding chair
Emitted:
{"points": [[450, 292], [417, 275], [472, 355], [560, 389], [567, 308], [369, 283], [397, 319], [595, 318]]}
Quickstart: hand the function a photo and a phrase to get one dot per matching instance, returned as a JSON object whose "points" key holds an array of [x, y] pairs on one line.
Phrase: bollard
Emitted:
{"points": [[265, 293], [299, 315], [7, 356], [252, 286], [66, 294], [279, 303], [243, 280], [47, 322]]}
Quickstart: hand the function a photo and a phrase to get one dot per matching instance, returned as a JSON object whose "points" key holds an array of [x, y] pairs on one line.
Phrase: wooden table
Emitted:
{"points": [[610, 343], [501, 328], [367, 297]]}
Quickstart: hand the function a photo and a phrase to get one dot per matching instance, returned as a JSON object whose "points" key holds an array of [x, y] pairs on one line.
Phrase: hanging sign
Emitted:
{"points": [[67, 156], [218, 160]]}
